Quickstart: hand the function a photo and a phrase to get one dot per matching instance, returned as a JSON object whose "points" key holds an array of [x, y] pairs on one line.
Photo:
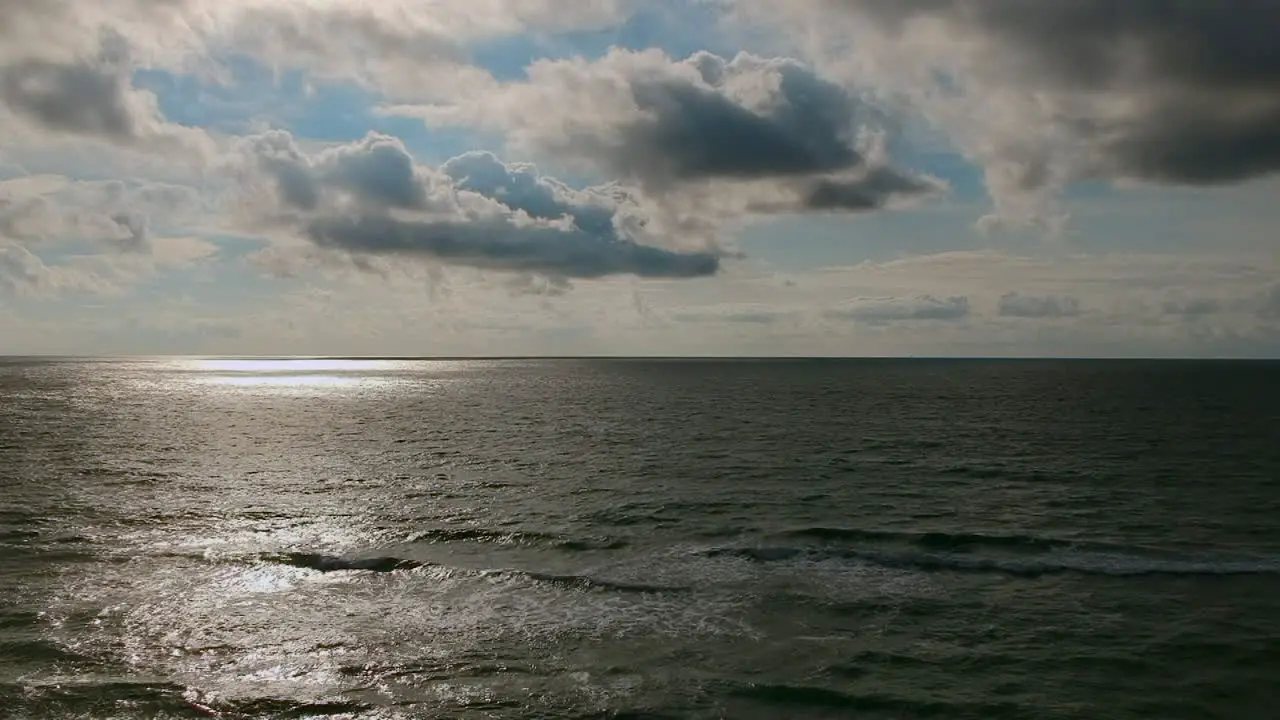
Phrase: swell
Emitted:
{"points": [[105, 697], [787, 696], [36, 650], [278, 708], [335, 563], [958, 542], [479, 534], [515, 537], [93, 698], [1126, 564], [584, 582], [18, 537], [390, 564]]}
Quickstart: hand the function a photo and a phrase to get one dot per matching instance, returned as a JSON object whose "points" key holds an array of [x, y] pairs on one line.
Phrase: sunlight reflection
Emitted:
{"points": [[291, 366], [279, 380], [305, 376], [302, 373]]}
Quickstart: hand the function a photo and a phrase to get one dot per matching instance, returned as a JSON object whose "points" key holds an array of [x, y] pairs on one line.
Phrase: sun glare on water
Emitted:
{"points": [[287, 372]]}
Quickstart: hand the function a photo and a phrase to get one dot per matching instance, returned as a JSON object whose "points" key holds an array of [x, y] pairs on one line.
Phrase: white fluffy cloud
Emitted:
{"points": [[66, 67], [391, 43]]}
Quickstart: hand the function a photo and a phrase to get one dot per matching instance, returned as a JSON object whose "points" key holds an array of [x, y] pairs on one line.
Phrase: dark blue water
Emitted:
{"points": [[546, 539]]}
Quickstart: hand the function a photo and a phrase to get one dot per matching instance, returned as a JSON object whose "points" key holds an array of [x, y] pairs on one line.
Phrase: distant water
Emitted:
{"points": [[639, 539]]}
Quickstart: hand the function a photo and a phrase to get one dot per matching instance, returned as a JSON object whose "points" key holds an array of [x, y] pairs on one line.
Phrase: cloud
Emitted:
{"points": [[691, 128], [412, 50], [72, 98], [1194, 307], [370, 198], [502, 245], [67, 68], [744, 314], [375, 173], [1038, 306], [25, 274], [520, 187], [21, 271], [93, 97], [51, 209], [1271, 303], [897, 309], [1184, 93], [767, 135]]}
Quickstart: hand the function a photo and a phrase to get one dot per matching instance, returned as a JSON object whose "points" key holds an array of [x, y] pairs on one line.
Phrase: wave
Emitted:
{"points": [[334, 563], [821, 698], [10, 619], [432, 671], [278, 708], [389, 564], [626, 715], [588, 545], [516, 537], [952, 541], [1050, 563], [18, 537], [478, 534], [44, 651], [590, 583], [89, 696]]}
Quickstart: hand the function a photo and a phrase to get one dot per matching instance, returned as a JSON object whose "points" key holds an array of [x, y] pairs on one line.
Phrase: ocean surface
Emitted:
{"points": [[184, 538]]}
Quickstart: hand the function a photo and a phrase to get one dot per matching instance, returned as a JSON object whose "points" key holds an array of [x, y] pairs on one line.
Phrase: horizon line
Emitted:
{"points": [[465, 358]]}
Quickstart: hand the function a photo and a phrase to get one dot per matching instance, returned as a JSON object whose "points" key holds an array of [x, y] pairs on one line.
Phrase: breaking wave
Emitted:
{"points": [[388, 564]]}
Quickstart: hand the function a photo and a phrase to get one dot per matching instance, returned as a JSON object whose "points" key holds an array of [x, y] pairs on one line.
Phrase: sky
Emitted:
{"points": [[640, 177]]}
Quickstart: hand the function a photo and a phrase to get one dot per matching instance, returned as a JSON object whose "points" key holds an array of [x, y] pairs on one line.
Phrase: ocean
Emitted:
{"points": [[298, 538]]}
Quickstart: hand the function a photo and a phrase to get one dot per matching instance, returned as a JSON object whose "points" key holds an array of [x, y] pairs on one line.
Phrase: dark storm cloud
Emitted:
{"points": [[278, 156], [799, 130], [1198, 80], [1086, 42], [377, 170], [500, 245], [89, 94], [755, 134], [898, 309], [696, 132], [801, 133], [869, 192], [1038, 306], [353, 198], [72, 98]]}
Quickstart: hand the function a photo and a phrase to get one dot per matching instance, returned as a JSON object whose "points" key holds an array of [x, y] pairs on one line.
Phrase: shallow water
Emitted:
{"points": [[511, 539]]}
